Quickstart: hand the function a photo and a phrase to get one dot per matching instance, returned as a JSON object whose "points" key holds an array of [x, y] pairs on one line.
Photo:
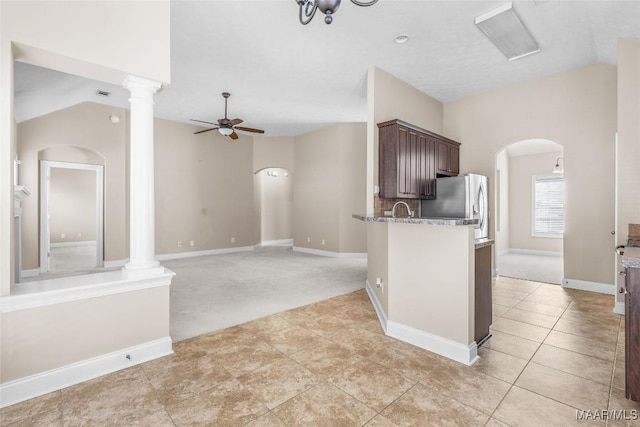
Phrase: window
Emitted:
{"points": [[547, 216]]}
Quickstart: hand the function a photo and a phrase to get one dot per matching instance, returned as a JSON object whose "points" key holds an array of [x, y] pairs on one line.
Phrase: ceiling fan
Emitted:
{"points": [[225, 126]]}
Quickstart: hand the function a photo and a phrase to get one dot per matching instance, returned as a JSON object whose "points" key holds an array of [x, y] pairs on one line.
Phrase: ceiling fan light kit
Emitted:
{"points": [[308, 8], [225, 126]]}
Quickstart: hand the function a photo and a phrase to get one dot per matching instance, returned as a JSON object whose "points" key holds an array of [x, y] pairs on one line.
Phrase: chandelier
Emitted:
{"points": [[308, 8]]}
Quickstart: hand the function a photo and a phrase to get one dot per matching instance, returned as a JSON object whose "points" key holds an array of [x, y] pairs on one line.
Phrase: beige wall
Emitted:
{"points": [[391, 98], [327, 189], [72, 205], [628, 179], [80, 134], [500, 212], [378, 261], [273, 152], [521, 171], [204, 189], [576, 109]]}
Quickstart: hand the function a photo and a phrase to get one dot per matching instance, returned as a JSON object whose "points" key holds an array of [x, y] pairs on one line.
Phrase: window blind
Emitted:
{"points": [[548, 205]]}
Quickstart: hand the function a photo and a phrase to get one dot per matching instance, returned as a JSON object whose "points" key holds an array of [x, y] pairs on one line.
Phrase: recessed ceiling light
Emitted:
{"points": [[401, 38]]}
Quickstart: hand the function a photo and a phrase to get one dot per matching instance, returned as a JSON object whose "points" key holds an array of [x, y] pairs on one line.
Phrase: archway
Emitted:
{"points": [[529, 211], [274, 200]]}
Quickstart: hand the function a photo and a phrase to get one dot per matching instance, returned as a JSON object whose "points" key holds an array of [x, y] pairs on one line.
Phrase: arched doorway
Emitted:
{"points": [[529, 211], [274, 190]]}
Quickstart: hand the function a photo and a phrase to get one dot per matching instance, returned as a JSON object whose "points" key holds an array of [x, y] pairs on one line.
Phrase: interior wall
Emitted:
{"points": [[72, 205], [204, 186], [576, 109], [521, 171], [501, 209], [328, 188], [273, 152], [87, 127], [628, 179]]}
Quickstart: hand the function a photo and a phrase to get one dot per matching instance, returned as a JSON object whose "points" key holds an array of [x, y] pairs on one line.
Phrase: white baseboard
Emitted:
{"points": [[619, 307], [601, 288], [115, 263], [281, 242], [434, 343], [39, 384], [179, 255], [30, 273], [69, 244], [382, 317], [528, 252], [329, 253]]}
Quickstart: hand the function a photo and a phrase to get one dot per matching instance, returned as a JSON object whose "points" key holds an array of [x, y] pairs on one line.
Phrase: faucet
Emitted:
{"points": [[409, 210]]}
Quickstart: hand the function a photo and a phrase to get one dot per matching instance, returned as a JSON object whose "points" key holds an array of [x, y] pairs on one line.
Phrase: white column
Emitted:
{"points": [[141, 179]]}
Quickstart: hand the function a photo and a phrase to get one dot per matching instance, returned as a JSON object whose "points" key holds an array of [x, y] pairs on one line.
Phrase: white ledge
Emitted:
{"points": [[57, 291]]}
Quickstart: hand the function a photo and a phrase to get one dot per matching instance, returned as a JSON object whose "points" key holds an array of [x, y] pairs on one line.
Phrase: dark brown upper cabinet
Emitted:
{"points": [[407, 160], [448, 153]]}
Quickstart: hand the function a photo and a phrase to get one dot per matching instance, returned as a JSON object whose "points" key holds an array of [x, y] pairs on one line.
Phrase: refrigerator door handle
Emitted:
{"points": [[481, 206]]}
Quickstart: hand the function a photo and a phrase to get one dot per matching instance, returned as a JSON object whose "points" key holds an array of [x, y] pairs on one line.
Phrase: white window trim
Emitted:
{"points": [[533, 208]]}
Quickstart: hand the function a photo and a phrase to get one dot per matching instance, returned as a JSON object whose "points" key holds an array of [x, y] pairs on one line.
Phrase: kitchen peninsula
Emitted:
{"points": [[421, 281]]}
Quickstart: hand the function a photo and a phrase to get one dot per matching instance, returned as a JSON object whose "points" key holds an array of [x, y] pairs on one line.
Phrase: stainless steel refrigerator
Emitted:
{"points": [[464, 196]]}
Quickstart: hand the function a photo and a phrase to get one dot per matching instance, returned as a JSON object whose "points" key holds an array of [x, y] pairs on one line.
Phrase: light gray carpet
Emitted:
{"points": [[218, 291], [538, 268]]}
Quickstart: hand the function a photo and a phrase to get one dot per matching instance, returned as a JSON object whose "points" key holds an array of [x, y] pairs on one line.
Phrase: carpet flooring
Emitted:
{"points": [[214, 292], [537, 268]]}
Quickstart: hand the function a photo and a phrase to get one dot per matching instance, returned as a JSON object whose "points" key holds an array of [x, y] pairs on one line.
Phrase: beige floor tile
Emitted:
{"points": [[472, 388], [409, 361], [619, 376], [372, 384], [587, 329], [607, 319], [582, 345], [380, 421], [522, 408], [499, 310], [546, 299], [326, 359], [520, 329], [228, 403], [157, 419], [245, 357], [533, 318], [495, 423], [210, 342], [279, 381], [566, 388], [291, 339], [324, 405], [509, 293], [516, 284], [537, 307], [373, 326], [114, 397], [422, 406], [265, 325], [588, 367], [267, 420], [361, 341], [499, 365], [47, 404], [628, 411], [324, 325], [42, 419], [505, 301], [512, 345]]}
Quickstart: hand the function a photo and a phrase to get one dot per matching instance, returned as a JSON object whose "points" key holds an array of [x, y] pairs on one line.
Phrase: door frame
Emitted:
{"points": [[45, 240]]}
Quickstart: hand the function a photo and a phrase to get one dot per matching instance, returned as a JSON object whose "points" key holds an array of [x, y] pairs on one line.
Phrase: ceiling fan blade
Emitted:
{"points": [[202, 131], [249, 129], [233, 135], [235, 122], [202, 121]]}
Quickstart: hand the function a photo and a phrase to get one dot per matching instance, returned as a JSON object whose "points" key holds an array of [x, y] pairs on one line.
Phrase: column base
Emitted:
{"points": [[150, 269]]}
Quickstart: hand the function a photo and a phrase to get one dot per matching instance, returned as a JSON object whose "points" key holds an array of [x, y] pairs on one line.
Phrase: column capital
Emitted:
{"points": [[134, 82]]}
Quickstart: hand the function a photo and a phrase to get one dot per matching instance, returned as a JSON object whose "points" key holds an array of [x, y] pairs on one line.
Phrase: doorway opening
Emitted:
{"points": [[274, 190], [529, 219], [71, 218]]}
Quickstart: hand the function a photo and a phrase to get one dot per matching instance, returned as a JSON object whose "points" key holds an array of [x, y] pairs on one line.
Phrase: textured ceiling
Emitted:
{"points": [[288, 78]]}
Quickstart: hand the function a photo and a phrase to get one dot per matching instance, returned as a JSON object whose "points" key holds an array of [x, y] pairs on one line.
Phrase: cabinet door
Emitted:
{"points": [[427, 167], [442, 152], [407, 163], [454, 160], [632, 334]]}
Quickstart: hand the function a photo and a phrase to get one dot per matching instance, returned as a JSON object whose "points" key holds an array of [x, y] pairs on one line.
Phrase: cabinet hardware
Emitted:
{"points": [[622, 273], [622, 290]]}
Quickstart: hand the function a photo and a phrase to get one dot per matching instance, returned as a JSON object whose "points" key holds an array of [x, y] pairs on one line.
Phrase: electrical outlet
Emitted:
{"points": [[179, 244], [192, 242], [308, 239], [380, 284], [322, 242], [63, 236], [79, 234], [233, 240], [388, 213]]}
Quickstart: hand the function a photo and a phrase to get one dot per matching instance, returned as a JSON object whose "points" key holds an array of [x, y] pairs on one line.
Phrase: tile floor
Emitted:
{"points": [[553, 351]]}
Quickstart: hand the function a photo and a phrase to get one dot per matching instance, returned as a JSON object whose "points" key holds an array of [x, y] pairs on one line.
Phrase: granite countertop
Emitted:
{"points": [[425, 221], [631, 257], [481, 243]]}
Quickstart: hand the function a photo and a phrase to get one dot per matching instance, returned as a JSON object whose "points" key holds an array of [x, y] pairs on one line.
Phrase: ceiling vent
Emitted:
{"points": [[102, 93], [505, 29]]}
